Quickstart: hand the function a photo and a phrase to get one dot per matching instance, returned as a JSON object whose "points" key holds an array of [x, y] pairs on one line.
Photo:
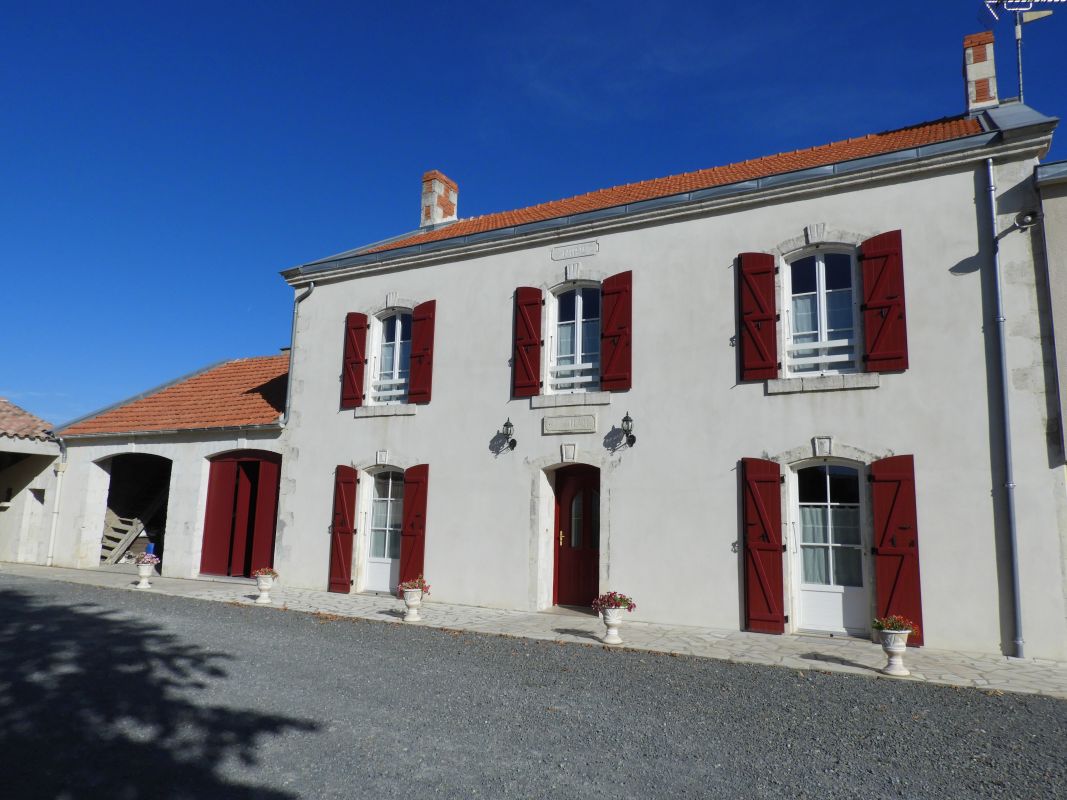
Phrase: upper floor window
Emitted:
{"points": [[586, 338], [394, 359], [837, 310], [397, 346], [577, 352], [822, 326]]}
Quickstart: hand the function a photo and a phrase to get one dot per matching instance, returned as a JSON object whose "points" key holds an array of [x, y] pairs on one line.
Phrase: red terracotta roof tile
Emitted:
{"points": [[248, 391], [848, 150], [21, 424]]}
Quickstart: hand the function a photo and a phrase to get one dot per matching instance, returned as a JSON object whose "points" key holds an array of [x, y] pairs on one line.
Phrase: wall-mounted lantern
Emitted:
{"points": [[628, 429], [507, 430]]}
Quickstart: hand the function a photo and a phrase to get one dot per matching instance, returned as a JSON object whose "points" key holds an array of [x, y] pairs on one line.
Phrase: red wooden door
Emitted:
{"points": [[577, 537], [241, 515], [266, 514], [218, 518], [342, 529]]}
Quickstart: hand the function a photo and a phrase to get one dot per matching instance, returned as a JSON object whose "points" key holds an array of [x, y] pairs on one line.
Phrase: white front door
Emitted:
{"points": [[833, 593], [383, 553]]}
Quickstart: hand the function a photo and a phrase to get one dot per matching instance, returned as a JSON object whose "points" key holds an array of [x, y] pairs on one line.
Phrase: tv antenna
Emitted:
{"points": [[1024, 13]]}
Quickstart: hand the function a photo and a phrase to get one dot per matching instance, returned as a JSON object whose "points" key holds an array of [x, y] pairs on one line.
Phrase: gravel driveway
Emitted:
{"points": [[117, 694]]}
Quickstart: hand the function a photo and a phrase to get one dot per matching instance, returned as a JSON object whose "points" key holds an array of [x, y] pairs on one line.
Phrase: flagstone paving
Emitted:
{"points": [[801, 652]]}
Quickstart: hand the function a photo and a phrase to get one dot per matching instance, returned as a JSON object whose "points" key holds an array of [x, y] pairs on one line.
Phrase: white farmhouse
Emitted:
{"points": [[764, 396], [790, 394]]}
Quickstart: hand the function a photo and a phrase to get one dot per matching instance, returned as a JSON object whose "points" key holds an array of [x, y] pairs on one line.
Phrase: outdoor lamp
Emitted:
{"points": [[628, 429], [507, 430]]}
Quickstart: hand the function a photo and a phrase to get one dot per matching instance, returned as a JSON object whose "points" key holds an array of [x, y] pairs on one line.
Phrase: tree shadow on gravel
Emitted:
{"points": [[96, 705]]}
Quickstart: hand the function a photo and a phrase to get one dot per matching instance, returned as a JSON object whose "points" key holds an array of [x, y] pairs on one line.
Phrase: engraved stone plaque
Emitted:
{"points": [[579, 423], [569, 252]]}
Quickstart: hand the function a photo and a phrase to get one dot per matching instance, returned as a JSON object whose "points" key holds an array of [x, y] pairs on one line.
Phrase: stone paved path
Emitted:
{"points": [[989, 673]]}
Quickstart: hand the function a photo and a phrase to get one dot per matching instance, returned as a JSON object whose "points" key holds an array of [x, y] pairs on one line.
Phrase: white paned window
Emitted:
{"points": [[822, 330], [576, 360], [394, 358], [830, 543], [386, 515]]}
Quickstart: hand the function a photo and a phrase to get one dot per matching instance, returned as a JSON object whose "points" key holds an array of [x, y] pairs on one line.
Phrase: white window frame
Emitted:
{"points": [[362, 559], [795, 571], [398, 527], [389, 391], [853, 362], [560, 378]]}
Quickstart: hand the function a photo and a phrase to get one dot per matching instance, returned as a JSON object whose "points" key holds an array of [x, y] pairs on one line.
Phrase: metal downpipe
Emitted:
{"points": [[1009, 470]]}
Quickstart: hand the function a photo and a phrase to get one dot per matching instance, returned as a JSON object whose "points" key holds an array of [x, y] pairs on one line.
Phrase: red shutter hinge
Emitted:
{"points": [[786, 618], [781, 479], [785, 548], [870, 478], [777, 317]]}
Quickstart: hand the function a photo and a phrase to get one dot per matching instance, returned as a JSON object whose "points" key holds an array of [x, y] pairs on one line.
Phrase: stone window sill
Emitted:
{"points": [[575, 399], [400, 410], [825, 383]]}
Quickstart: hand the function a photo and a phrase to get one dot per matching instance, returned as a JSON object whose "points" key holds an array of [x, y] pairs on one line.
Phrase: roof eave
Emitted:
{"points": [[172, 431]]}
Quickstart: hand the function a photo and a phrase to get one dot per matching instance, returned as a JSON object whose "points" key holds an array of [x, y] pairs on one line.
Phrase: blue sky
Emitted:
{"points": [[161, 164]]}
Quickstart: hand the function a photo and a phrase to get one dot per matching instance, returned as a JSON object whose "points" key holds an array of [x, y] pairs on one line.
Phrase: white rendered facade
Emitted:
{"points": [[669, 506]]}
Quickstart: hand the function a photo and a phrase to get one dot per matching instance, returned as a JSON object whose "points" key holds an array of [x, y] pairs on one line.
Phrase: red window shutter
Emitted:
{"points": [[885, 328], [896, 540], [757, 336], [421, 376], [413, 527], [616, 332], [354, 359], [762, 522], [343, 529], [526, 357]]}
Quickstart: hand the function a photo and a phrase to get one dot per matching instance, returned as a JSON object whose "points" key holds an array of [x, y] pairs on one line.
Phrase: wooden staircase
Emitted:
{"points": [[120, 532]]}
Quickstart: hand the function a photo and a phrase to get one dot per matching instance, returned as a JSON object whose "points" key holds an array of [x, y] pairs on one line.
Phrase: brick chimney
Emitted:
{"points": [[440, 197], [980, 71]]}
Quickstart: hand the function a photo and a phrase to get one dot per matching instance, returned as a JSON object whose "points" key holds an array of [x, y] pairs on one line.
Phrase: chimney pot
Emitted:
{"points": [[980, 71], [440, 199]]}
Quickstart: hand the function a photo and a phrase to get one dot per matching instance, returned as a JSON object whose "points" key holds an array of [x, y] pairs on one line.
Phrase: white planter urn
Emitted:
{"points": [[412, 602], [895, 643], [144, 572], [264, 583], [612, 621]]}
